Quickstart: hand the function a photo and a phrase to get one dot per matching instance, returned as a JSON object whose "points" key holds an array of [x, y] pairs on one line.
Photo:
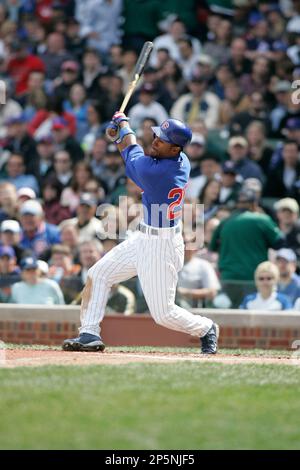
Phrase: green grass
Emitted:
{"points": [[150, 406]]}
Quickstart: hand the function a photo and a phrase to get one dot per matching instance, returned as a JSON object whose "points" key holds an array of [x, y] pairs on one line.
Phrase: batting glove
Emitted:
{"points": [[119, 117], [112, 132]]}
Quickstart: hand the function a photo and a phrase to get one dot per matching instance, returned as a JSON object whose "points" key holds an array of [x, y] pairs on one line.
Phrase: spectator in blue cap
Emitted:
{"points": [[293, 129], [29, 263], [8, 264], [289, 281], [33, 289]]}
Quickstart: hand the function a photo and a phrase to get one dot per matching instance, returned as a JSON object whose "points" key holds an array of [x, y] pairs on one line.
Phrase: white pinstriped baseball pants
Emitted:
{"points": [[156, 259]]}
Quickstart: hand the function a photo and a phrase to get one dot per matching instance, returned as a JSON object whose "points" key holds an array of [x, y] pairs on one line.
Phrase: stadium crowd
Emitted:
{"points": [[229, 69]]}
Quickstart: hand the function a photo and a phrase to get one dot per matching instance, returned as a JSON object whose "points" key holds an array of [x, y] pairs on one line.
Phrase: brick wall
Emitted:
{"points": [[239, 329], [262, 338]]}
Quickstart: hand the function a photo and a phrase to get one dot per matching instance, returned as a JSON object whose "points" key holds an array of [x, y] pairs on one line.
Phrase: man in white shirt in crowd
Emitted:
{"points": [[88, 225], [169, 41], [198, 103], [147, 107], [197, 282]]}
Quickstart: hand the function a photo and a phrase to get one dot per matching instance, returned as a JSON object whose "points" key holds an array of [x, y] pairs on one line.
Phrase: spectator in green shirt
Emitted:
{"points": [[243, 239]]}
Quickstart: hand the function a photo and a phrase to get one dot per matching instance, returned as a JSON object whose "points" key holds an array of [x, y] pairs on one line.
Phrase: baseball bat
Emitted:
{"points": [[138, 70]]}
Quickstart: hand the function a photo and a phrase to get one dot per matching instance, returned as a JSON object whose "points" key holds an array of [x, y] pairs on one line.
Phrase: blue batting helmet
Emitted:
{"points": [[174, 132]]}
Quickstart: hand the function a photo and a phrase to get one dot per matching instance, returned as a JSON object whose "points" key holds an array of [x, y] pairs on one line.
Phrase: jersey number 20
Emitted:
{"points": [[179, 193]]}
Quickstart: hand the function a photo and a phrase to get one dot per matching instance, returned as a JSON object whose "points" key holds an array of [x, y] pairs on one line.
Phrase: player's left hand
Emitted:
{"points": [[112, 132], [119, 117]]}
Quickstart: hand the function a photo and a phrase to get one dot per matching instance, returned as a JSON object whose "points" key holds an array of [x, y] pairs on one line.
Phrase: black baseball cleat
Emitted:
{"points": [[209, 342], [85, 342]]}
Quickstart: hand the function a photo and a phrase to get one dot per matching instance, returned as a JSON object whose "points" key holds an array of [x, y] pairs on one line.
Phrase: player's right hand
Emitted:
{"points": [[119, 117], [112, 132]]}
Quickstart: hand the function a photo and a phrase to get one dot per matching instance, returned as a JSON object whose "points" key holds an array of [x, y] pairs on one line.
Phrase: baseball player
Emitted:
{"points": [[155, 252]]}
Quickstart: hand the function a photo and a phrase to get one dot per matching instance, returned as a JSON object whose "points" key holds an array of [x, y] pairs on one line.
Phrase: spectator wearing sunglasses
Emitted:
{"points": [[266, 298]]}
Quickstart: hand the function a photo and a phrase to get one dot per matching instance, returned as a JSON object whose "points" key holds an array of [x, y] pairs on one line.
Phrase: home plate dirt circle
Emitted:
{"points": [[19, 358]]}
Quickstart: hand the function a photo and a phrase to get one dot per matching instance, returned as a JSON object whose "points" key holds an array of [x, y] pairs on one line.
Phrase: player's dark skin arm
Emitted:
{"points": [[129, 139]]}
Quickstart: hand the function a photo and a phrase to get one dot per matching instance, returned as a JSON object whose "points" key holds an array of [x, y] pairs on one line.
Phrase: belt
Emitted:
{"points": [[157, 231]]}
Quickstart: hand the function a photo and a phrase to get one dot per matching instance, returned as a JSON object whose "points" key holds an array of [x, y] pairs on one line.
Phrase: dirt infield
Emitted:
{"points": [[18, 358]]}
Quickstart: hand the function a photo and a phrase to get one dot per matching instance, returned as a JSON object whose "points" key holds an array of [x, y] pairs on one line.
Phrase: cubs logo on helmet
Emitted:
{"points": [[174, 132]]}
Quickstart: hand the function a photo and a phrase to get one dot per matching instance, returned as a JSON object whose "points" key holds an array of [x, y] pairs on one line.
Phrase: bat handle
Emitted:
{"points": [[129, 93], [124, 104]]}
